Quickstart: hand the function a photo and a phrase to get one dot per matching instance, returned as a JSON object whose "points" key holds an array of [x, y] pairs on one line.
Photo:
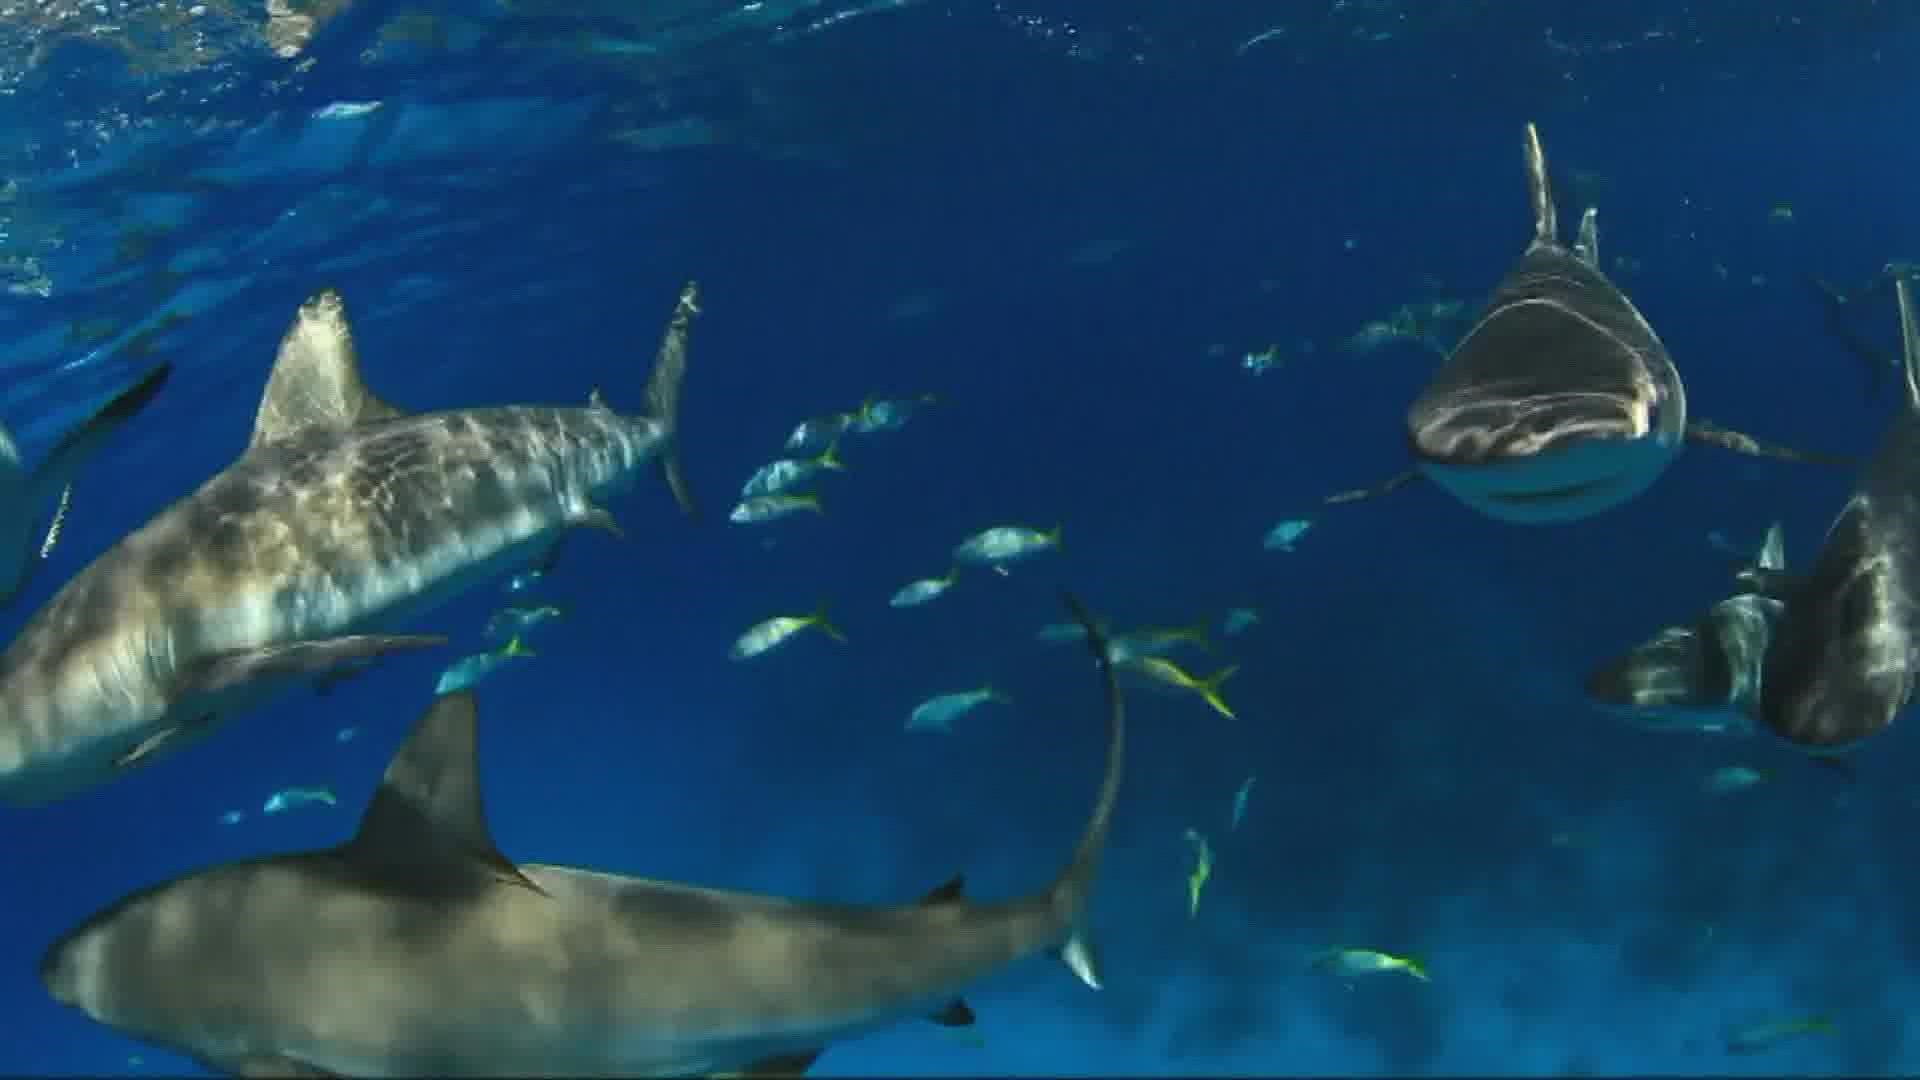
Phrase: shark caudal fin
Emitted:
{"points": [[1070, 892], [663, 393]]}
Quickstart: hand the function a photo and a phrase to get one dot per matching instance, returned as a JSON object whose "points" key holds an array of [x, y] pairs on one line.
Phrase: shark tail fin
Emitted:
{"points": [[663, 393], [1070, 892]]}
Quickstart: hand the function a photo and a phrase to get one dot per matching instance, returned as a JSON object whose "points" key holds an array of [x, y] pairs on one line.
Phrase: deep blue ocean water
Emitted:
{"points": [[1070, 221]]}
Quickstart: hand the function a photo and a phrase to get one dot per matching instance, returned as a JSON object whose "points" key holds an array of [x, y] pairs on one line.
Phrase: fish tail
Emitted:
{"points": [[830, 457], [819, 619], [1053, 538], [515, 648], [1069, 893], [663, 394], [1209, 690]]}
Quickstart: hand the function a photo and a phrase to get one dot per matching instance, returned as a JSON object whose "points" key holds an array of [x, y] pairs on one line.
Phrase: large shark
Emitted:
{"points": [[24, 492], [343, 518], [1846, 654], [1702, 676], [1560, 402], [417, 949]]}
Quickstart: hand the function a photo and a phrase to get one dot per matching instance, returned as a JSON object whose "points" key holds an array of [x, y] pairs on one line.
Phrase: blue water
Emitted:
{"points": [[1069, 221]]}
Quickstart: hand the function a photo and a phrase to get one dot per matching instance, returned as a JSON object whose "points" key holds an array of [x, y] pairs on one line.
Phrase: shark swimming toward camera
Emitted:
{"points": [[23, 492], [1703, 676], [343, 519], [418, 949], [1560, 402]]}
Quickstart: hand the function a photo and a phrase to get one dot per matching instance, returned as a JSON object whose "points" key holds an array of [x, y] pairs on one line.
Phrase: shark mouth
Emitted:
{"points": [[1565, 484]]}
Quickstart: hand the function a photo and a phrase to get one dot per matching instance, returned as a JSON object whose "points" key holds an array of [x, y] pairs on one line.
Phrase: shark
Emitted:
{"points": [[24, 491], [416, 948], [1703, 676], [1847, 653], [1561, 402], [343, 519]]}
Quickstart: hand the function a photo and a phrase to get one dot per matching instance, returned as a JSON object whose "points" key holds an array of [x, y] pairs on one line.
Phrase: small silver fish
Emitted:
{"points": [[777, 477], [1238, 620], [764, 508], [1240, 802], [888, 415], [1283, 536], [915, 593], [817, 433], [514, 621], [294, 798], [1005, 544], [468, 670], [769, 633], [939, 713]]}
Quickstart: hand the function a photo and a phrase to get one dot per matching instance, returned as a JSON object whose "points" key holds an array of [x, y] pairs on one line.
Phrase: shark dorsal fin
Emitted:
{"points": [[1546, 220], [316, 377], [1773, 550], [427, 815], [1909, 341]]}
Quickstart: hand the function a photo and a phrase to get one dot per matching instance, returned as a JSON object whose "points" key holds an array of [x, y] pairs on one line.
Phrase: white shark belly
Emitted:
{"points": [[1564, 485]]}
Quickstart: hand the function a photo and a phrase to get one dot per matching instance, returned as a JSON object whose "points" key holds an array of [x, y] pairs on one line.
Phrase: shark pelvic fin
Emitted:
{"points": [[426, 822], [324, 659], [315, 384]]}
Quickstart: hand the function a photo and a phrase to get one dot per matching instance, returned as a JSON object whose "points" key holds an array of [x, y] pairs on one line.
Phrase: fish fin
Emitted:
{"points": [[1079, 956], [52, 481], [956, 1014], [826, 626], [324, 658], [315, 384], [427, 816], [146, 747], [1909, 341], [794, 1064], [947, 891], [594, 517], [663, 394], [1773, 550], [1386, 487], [1705, 431], [1546, 222], [1209, 690], [1587, 247]]}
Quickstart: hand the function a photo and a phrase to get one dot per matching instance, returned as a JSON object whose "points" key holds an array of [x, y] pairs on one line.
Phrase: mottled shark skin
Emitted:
{"points": [[343, 519], [1846, 653], [1560, 402], [1702, 676], [24, 492], [417, 949]]}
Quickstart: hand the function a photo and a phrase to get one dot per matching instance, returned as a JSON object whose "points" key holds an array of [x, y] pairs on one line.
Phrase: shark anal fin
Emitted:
{"points": [[794, 1064], [315, 384], [323, 658], [947, 891], [426, 822], [1712, 434], [956, 1014]]}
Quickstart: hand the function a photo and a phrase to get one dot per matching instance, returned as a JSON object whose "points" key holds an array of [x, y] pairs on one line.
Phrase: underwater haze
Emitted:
{"points": [[1171, 273]]}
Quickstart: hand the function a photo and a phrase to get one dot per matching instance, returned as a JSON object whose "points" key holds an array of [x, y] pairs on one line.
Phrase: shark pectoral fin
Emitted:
{"points": [[1078, 954], [956, 1014], [593, 517], [947, 891], [1712, 434], [1385, 487], [299, 659], [315, 384], [794, 1064], [426, 823]]}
